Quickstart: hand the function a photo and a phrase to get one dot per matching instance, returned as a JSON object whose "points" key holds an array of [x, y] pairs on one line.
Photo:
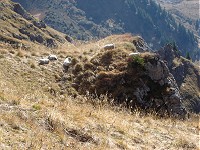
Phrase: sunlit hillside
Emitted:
{"points": [[114, 93], [36, 115]]}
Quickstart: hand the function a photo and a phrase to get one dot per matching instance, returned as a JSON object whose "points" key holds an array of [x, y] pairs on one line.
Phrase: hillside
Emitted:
{"points": [[109, 97], [185, 12], [83, 21], [36, 112], [20, 28]]}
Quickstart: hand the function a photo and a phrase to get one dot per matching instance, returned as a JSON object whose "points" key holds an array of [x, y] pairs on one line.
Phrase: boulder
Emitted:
{"points": [[69, 39], [39, 24], [140, 44]]}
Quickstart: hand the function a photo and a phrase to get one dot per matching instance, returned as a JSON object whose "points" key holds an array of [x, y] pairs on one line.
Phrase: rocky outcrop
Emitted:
{"points": [[69, 39], [158, 71], [169, 52], [186, 74], [39, 24], [140, 44], [135, 81], [49, 42]]}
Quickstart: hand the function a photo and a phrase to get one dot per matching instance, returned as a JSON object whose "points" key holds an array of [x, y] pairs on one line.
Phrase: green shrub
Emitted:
{"points": [[138, 60], [36, 107]]}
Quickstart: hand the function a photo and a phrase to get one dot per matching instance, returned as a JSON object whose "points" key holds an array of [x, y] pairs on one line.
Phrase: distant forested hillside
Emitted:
{"points": [[90, 19]]}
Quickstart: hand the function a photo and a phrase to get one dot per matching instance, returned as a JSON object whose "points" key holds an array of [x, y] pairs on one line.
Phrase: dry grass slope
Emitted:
{"points": [[34, 114]]}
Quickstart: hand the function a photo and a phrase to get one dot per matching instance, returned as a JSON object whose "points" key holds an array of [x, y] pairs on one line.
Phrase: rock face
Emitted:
{"points": [[141, 45], [136, 81], [158, 71], [169, 53], [186, 74]]}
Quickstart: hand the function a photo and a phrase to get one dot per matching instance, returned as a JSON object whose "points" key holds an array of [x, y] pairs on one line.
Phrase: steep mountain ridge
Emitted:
{"points": [[96, 19], [19, 27]]}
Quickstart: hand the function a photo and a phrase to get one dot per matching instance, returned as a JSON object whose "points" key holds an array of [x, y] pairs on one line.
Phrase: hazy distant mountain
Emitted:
{"points": [[184, 11], [91, 19]]}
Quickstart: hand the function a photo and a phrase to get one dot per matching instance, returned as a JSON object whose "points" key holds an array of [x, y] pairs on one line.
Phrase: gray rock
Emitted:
{"points": [[24, 31], [39, 24], [51, 43], [141, 92], [18, 36], [69, 39], [39, 39], [32, 37], [157, 71], [141, 45], [168, 53]]}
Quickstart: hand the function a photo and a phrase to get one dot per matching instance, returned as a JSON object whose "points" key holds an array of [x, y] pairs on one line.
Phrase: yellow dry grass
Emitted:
{"points": [[32, 117]]}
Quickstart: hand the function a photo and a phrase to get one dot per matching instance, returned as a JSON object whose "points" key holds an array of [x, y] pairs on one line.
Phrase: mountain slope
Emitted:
{"points": [[40, 109], [36, 113], [102, 18], [19, 27], [186, 12]]}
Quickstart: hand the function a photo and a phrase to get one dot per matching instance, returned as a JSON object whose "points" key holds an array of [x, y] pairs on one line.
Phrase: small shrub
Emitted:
{"points": [[2, 96], [84, 53], [12, 52], [137, 60], [2, 56], [89, 66], [188, 56], [15, 102], [54, 121], [36, 107], [78, 68], [33, 65], [57, 76]]}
